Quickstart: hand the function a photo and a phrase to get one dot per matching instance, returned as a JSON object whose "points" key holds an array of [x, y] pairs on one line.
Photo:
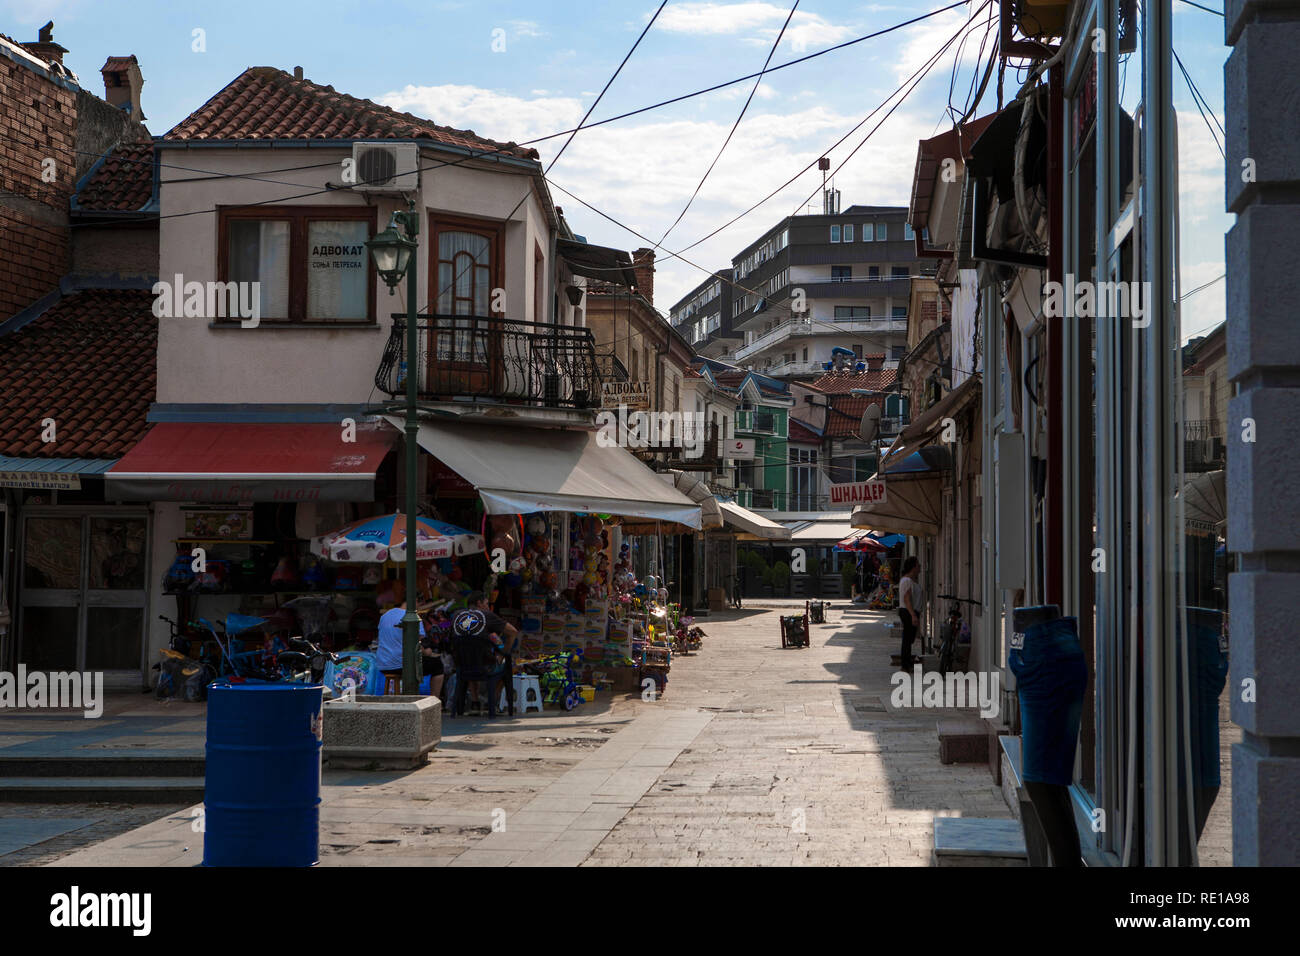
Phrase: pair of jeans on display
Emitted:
{"points": [[1051, 675]]}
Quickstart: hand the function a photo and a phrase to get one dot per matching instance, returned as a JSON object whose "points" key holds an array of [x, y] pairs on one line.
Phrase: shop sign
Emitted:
{"points": [[40, 480], [858, 493], [742, 448], [627, 394]]}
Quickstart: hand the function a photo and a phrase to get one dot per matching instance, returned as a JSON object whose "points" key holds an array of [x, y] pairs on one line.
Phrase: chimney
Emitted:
{"points": [[45, 48], [297, 73], [643, 267], [122, 84], [875, 362]]}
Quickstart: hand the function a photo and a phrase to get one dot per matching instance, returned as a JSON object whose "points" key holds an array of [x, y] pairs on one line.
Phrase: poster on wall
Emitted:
{"points": [[220, 523]]}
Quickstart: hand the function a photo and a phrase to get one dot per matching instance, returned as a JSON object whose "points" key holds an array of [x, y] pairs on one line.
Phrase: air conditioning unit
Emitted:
{"points": [[386, 167]]}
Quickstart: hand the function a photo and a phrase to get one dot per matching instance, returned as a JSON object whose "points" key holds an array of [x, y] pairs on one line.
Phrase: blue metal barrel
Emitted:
{"points": [[262, 793]]}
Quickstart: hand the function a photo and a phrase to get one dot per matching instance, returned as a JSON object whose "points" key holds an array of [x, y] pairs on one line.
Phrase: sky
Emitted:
{"points": [[521, 70]]}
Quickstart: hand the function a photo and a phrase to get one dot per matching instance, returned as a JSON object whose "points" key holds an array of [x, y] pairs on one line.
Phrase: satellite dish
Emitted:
{"points": [[870, 427]]}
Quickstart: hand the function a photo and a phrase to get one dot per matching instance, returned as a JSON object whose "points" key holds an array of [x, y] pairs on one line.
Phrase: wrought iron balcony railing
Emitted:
{"points": [[531, 363]]}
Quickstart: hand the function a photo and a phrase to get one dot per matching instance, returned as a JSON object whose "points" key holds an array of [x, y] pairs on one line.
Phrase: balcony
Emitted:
{"points": [[775, 336], [784, 369], [497, 359], [756, 421], [857, 288], [1203, 446]]}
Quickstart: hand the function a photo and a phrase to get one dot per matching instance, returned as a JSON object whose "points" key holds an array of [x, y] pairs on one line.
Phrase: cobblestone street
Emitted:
{"points": [[755, 755]]}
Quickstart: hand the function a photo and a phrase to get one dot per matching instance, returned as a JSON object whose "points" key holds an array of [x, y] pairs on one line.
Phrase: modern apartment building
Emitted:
{"points": [[704, 317], [814, 283]]}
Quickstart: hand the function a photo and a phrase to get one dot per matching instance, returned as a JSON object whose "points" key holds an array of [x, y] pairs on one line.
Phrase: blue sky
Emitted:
{"points": [[437, 59]]}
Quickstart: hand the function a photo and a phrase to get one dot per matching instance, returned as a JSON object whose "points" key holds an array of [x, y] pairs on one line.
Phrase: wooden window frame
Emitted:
{"points": [[439, 224], [298, 218]]}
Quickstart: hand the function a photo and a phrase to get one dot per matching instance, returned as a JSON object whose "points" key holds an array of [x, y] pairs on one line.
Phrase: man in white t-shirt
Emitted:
{"points": [[909, 608], [389, 655]]}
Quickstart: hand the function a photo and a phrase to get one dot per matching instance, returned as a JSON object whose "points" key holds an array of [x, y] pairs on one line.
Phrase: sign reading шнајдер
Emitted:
{"points": [[858, 493]]}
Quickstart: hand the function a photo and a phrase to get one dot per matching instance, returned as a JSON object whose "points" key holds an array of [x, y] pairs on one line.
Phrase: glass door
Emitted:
{"points": [[82, 592]]}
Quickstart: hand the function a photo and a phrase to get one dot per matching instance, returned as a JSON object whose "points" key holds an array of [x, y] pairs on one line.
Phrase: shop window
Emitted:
{"points": [[310, 263]]}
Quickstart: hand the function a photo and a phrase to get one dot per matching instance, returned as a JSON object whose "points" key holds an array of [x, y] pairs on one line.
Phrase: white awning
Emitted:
{"points": [[829, 530], [518, 470], [748, 521]]}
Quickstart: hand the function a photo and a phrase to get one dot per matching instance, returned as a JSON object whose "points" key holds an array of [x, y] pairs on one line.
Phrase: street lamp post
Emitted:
{"points": [[393, 252]]}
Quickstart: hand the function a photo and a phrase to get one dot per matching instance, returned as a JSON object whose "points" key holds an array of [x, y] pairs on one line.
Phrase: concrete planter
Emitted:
{"points": [[381, 733]]}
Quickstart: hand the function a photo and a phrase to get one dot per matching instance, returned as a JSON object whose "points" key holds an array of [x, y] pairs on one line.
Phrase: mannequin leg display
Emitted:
{"points": [[1052, 804]]}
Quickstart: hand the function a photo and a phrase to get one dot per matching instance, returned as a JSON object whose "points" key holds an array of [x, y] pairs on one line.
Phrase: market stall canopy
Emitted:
{"points": [[383, 538], [829, 530], [1205, 503], [860, 541], [229, 463], [911, 506], [519, 470], [752, 523]]}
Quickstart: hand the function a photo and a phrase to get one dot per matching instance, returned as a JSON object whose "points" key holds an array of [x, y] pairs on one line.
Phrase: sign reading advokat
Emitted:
{"points": [[858, 493], [630, 394]]}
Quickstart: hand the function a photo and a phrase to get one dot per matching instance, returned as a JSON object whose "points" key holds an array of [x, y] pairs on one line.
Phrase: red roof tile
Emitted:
{"points": [[89, 363], [122, 182], [799, 432], [842, 383], [845, 414], [266, 103], [115, 63]]}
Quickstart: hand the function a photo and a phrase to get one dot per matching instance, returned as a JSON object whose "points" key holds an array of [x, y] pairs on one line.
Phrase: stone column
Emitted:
{"points": [[1262, 103]]}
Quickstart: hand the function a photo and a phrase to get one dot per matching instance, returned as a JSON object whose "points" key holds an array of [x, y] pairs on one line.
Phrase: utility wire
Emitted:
{"points": [[1196, 99], [734, 126]]}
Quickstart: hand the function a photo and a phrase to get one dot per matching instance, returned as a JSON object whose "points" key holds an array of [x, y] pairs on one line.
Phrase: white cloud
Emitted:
{"points": [[526, 28], [760, 23]]}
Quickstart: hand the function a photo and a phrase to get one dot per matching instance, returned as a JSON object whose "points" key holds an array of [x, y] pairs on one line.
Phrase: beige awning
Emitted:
{"points": [[518, 470], [925, 427], [911, 506], [1205, 503], [752, 523]]}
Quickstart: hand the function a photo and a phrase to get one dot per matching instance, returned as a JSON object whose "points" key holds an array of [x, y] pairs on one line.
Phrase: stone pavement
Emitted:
{"points": [[755, 755]]}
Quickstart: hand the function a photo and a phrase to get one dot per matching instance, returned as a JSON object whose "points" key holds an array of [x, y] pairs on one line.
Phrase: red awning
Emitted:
{"points": [[228, 463]]}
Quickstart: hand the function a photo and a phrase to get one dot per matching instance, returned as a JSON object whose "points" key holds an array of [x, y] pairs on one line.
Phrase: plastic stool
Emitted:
{"points": [[392, 684], [528, 694]]}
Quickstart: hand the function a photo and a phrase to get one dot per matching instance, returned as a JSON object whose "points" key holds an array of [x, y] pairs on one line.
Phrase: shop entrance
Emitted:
{"points": [[82, 597]]}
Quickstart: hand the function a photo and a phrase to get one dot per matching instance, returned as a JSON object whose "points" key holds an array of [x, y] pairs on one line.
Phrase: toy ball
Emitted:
{"points": [[506, 542], [541, 545], [536, 525], [518, 564]]}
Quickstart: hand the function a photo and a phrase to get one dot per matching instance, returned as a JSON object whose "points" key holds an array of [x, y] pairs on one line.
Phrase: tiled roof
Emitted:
{"points": [[845, 414], [266, 103], [842, 383], [89, 364], [121, 182], [799, 432]]}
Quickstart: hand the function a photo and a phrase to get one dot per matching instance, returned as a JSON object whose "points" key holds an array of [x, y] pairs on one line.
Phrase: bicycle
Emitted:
{"points": [[953, 632]]}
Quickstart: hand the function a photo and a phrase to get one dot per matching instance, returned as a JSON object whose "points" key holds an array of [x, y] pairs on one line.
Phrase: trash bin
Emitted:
{"points": [[262, 792], [1051, 675]]}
